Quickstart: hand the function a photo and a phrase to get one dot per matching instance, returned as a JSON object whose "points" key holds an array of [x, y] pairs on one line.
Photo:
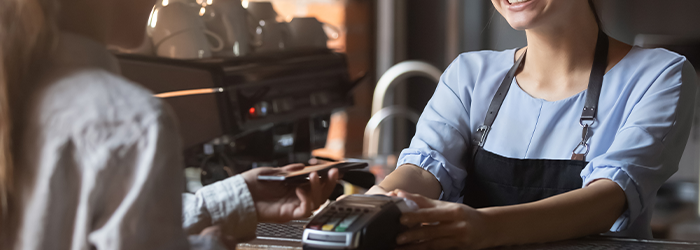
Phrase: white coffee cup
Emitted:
{"points": [[189, 44], [180, 33], [308, 32], [229, 19]]}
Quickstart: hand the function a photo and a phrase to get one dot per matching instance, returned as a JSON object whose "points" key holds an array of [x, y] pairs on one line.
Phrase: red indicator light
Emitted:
{"points": [[251, 111]]}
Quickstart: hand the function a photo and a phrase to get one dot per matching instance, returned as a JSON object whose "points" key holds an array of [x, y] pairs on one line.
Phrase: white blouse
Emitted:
{"points": [[101, 166]]}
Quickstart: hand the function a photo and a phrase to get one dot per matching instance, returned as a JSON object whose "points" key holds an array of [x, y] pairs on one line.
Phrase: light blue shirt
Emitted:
{"points": [[645, 112]]}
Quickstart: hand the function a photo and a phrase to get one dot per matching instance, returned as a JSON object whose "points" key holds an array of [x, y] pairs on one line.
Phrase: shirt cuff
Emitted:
{"points": [[230, 205], [619, 176], [430, 163]]}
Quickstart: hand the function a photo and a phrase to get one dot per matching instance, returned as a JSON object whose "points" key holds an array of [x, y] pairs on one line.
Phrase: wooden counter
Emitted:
{"points": [[589, 243]]}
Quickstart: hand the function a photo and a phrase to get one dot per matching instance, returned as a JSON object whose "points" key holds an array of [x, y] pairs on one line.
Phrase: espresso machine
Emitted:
{"points": [[239, 113]]}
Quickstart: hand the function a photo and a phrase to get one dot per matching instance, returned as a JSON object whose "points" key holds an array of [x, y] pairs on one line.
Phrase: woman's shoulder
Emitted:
{"points": [[480, 63], [646, 67], [651, 60], [90, 97], [485, 58], [483, 67]]}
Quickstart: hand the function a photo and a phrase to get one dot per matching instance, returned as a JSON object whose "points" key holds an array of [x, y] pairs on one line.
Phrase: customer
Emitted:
{"points": [[571, 136], [89, 160]]}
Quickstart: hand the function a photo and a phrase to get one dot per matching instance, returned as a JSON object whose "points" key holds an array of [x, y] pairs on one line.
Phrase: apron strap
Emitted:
{"points": [[497, 102], [595, 84], [588, 116]]}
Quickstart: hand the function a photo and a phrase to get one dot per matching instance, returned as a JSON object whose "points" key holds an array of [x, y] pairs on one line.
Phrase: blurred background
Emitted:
{"points": [[358, 94]]}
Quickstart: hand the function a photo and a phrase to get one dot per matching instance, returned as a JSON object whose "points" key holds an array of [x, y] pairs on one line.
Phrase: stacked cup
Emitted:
{"points": [[229, 19], [179, 29], [178, 32], [309, 33], [270, 35]]}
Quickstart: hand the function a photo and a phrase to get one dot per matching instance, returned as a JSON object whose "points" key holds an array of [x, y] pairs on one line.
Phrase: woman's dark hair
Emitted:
{"points": [[595, 13]]}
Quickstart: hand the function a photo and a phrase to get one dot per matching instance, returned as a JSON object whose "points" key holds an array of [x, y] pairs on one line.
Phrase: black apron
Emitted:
{"points": [[494, 180]]}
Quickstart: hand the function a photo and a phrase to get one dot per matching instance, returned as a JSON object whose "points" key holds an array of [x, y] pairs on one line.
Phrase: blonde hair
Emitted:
{"points": [[27, 33]]}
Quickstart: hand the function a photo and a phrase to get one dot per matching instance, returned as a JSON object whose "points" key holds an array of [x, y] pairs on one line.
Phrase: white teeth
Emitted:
{"points": [[517, 1]]}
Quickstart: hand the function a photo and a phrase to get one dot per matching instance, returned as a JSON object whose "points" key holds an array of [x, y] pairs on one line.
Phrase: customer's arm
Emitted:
{"points": [[227, 203], [238, 203]]}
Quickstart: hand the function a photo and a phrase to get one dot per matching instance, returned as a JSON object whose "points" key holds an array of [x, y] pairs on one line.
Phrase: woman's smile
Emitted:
{"points": [[518, 5]]}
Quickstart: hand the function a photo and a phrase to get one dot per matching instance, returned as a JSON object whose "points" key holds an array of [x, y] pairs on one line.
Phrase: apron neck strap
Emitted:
{"points": [[588, 116], [595, 82]]}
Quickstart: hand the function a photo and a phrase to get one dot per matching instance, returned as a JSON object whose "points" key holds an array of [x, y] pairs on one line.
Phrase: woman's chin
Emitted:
{"points": [[521, 24]]}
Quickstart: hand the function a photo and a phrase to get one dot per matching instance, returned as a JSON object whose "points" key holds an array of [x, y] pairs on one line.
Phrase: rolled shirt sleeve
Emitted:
{"points": [[442, 135], [226, 203], [647, 148]]}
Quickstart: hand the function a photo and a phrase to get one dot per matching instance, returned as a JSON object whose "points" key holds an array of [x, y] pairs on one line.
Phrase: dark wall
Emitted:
{"points": [[426, 35]]}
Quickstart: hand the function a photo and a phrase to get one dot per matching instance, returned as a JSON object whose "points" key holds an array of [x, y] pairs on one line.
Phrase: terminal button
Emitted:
{"points": [[318, 223], [347, 222], [330, 225]]}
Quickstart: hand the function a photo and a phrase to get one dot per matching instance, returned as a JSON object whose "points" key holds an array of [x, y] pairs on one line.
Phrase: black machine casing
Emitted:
{"points": [[287, 95]]}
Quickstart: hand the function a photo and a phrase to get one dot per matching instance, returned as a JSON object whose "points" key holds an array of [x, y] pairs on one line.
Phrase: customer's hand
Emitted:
{"points": [[441, 225], [279, 203], [213, 235]]}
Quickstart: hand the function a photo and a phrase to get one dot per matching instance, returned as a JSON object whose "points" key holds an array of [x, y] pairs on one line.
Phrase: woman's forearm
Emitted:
{"points": [[578, 213], [413, 179]]}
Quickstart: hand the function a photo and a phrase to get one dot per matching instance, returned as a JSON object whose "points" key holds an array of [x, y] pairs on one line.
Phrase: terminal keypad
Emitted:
{"points": [[337, 218]]}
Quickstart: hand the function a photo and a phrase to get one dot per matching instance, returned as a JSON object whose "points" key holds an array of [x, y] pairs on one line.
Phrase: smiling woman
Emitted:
{"points": [[567, 137]]}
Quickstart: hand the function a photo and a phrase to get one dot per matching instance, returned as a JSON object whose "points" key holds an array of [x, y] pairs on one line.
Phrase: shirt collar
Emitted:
{"points": [[79, 51]]}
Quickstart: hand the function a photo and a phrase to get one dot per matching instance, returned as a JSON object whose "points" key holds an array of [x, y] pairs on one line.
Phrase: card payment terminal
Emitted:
{"points": [[357, 222]]}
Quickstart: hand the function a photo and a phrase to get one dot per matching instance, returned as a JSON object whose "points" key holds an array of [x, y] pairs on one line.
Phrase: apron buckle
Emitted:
{"points": [[484, 131], [583, 143]]}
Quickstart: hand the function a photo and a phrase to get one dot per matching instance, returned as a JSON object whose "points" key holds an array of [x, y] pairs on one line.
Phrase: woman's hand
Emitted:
{"points": [[442, 225], [376, 189], [279, 203]]}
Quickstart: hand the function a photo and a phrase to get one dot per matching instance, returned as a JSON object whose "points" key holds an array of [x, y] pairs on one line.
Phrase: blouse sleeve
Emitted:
{"points": [[442, 135], [647, 148]]}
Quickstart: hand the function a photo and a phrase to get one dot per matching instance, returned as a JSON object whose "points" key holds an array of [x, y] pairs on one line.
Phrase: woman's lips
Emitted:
{"points": [[518, 5]]}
